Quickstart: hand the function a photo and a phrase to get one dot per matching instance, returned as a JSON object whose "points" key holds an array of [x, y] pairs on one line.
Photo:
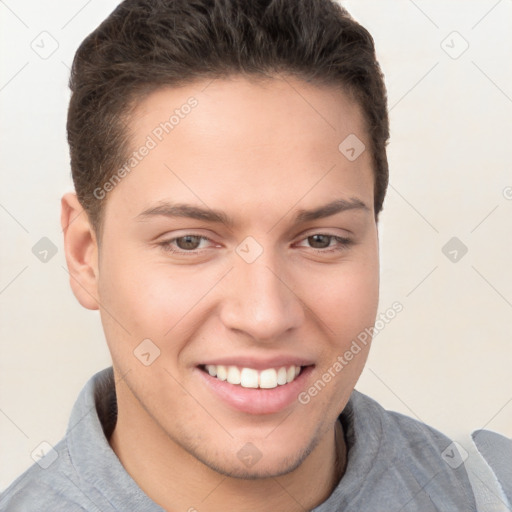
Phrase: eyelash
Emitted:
{"points": [[344, 243]]}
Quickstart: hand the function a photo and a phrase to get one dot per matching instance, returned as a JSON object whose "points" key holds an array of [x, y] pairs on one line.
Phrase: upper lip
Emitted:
{"points": [[259, 363]]}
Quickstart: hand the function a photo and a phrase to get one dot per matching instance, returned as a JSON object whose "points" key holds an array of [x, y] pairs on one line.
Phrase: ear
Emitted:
{"points": [[81, 248]]}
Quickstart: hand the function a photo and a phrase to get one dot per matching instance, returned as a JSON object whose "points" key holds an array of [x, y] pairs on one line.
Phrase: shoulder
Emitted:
{"points": [[49, 484], [412, 450], [412, 435]]}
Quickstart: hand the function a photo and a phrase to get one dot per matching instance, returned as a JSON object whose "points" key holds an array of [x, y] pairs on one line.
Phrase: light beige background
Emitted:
{"points": [[445, 359]]}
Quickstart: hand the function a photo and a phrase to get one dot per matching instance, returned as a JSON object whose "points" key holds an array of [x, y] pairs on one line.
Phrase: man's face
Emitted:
{"points": [[265, 291]]}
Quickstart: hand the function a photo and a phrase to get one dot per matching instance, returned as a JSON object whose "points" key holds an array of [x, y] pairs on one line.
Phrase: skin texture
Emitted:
{"points": [[260, 151]]}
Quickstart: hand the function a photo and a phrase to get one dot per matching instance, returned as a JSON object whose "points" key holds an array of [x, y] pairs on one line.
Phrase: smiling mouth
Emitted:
{"points": [[252, 378]]}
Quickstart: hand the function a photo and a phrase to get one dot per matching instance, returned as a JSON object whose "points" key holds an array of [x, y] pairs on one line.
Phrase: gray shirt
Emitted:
{"points": [[395, 464]]}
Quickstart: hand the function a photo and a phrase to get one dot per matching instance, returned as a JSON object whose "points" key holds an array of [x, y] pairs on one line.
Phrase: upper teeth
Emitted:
{"points": [[250, 378]]}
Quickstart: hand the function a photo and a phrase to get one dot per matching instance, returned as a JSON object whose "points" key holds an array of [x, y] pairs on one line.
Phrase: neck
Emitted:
{"points": [[176, 480]]}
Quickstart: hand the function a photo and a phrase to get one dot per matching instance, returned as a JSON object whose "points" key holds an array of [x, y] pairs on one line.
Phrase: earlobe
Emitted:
{"points": [[81, 248]]}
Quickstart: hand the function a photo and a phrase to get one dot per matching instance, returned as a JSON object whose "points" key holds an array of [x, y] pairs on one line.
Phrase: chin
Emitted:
{"points": [[259, 471], [251, 464]]}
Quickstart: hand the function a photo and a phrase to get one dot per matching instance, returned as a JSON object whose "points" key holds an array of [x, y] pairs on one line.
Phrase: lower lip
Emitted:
{"points": [[257, 400]]}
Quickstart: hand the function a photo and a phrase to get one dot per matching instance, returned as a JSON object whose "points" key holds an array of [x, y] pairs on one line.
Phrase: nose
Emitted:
{"points": [[259, 299]]}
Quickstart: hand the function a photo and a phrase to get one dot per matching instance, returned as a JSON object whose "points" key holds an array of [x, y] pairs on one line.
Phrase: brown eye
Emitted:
{"points": [[320, 241], [188, 242]]}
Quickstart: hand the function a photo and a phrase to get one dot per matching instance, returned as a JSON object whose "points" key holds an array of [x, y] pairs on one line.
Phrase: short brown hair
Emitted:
{"points": [[148, 44]]}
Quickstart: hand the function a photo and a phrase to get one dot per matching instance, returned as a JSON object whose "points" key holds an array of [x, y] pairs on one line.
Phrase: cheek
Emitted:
{"points": [[346, 300], [347, 308], [148, 297], [151, 300]]}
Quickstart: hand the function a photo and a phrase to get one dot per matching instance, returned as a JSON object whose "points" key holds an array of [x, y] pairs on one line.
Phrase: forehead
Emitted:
{"points": [[257, 106], [268, 141]]}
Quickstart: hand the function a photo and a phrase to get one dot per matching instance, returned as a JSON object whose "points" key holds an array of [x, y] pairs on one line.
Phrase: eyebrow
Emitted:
{"points": [[168, 209]]}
